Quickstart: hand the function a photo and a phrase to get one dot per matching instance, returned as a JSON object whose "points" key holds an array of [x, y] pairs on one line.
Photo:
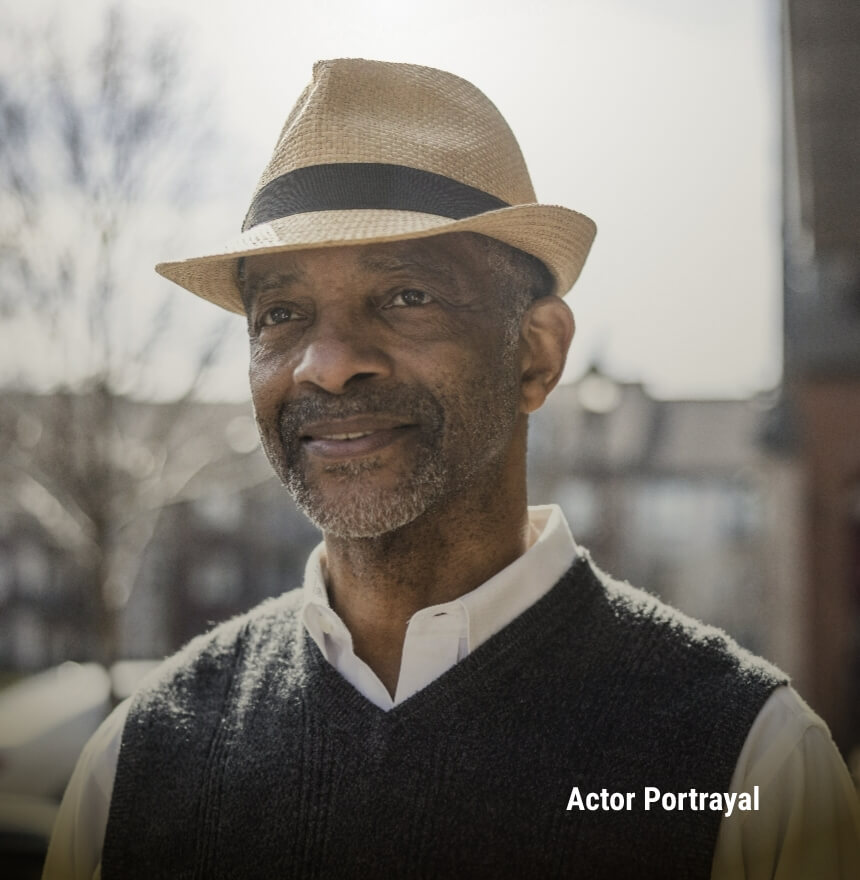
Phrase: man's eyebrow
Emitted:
{"points": [[268, 281]]}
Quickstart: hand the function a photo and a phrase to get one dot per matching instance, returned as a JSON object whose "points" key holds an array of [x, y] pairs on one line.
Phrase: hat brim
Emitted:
{"points": [[558, 236]]}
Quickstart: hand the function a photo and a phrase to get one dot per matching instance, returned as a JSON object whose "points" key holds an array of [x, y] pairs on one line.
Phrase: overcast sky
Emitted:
{"points": [[657, 118]]}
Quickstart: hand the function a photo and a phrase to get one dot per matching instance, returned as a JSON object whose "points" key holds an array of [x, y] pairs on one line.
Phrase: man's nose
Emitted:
{"points": [[340, 352]]}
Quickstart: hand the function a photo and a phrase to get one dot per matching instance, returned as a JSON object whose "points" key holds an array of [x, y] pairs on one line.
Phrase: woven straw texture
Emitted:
{"points": [[358, 111]]}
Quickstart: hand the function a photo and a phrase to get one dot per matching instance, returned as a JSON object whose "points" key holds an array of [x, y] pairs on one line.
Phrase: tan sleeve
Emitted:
{"points": [[808, 822], [75, 850]]}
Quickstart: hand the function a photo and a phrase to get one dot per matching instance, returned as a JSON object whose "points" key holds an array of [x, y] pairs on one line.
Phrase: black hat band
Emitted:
{"points": [[346, 186]]}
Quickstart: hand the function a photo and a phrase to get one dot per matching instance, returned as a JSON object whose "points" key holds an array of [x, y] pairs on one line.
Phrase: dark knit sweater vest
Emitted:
{"points": [[250, 756]]}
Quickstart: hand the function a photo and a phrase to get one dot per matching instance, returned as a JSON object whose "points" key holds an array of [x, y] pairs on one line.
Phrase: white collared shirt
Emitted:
{"points": [[809, 828], [439, 636]]}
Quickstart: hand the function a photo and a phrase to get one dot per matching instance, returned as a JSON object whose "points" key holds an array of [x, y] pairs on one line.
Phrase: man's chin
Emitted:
{"points": [[370, 517], [363, 508]]}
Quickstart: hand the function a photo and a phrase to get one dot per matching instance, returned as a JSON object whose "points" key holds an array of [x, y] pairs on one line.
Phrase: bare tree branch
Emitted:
{"points": [[89, 149]]}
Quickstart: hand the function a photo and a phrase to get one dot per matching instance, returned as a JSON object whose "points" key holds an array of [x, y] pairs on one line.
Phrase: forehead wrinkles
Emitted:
{"points": [[374, 262], [392, 263]]}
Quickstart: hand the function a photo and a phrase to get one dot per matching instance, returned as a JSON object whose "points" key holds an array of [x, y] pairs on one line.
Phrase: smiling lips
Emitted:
{"points": [[351, 437]]}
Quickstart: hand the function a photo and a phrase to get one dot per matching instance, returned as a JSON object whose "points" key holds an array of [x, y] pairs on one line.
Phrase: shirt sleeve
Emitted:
{"points": [[808, 821], [76, 843]]}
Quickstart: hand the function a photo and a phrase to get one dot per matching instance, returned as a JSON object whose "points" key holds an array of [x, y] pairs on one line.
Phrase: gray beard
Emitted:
{"points": [[369, 513], [365, 511]]}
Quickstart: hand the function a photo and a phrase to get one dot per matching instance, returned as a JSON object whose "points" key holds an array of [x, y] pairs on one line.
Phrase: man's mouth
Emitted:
{"points": [[352, 437], [345, 436], [330, 430]]}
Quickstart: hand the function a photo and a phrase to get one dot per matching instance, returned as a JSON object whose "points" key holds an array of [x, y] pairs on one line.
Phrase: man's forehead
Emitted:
{"points": [[439, 255]]}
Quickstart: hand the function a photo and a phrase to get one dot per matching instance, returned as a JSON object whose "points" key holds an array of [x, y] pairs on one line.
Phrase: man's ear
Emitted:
{"points": [[546, 332]]}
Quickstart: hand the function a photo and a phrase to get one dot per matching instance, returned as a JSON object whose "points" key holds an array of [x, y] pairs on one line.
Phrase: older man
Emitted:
{"points": [[456, 691]]}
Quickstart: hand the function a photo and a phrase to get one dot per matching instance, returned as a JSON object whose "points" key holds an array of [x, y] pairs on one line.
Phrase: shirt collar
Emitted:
{"points": [[500, 600]]}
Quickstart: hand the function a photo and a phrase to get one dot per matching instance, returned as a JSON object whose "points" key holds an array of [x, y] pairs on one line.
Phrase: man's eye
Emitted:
{"points": [[410, 298], [277, 315]]}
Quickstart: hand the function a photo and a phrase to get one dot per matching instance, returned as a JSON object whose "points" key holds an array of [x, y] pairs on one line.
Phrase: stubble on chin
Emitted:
{"points": [[347, 500], [353, 507], [350, 498]]}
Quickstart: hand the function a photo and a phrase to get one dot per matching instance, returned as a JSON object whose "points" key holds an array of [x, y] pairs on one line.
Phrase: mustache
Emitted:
{"points": [[414, 403]]}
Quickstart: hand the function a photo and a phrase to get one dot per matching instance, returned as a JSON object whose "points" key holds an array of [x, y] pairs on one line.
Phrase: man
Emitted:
{"points": [[456, 691]]}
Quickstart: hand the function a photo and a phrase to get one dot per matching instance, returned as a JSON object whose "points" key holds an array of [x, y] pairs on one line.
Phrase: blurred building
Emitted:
{"points": [[215, 557], [820, 424], [200, 528], [679, 498]]}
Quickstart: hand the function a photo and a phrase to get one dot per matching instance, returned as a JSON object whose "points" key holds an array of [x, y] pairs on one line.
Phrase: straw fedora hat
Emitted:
{"points": [[375, 151]]}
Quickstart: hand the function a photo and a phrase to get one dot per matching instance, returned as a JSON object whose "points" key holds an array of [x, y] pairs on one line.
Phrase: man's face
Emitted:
{"points": [[382, 379]]}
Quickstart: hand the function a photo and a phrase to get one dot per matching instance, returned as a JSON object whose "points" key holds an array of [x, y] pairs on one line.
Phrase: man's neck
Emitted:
{"points": [[377, 584]]}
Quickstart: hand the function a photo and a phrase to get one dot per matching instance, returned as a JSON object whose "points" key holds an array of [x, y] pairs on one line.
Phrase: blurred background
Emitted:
{"points": [[705, 444]]}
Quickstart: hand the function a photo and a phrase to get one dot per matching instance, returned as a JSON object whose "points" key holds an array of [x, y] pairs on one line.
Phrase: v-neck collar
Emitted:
{"points": [[342, 705]]}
